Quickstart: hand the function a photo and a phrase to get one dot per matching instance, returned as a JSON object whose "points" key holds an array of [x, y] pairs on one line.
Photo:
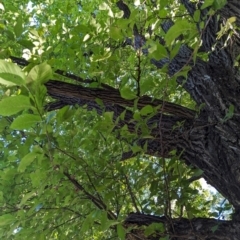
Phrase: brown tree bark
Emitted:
{"points": [[184, 229]]}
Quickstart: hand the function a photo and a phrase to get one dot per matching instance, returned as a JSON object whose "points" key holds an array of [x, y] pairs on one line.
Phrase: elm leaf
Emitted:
{"points": [[25, 121], [12, 105]]}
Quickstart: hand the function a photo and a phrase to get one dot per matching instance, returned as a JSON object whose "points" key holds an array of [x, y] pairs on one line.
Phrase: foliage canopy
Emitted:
{"points": [[79, 169]]}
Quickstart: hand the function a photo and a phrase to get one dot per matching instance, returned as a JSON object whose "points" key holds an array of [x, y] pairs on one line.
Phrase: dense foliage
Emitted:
{"points": [[70, 170]]}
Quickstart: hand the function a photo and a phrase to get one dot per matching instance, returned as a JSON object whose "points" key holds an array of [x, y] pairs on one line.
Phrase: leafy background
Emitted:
{"points": [[62, 172]]}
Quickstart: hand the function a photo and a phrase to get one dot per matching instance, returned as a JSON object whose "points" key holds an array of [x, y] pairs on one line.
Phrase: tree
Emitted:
{"points": [[110, 113]]}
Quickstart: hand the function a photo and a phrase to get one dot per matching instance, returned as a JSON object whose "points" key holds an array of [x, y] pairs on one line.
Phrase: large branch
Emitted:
{"points": [[162, 128], [74, 94], [184, 229]]}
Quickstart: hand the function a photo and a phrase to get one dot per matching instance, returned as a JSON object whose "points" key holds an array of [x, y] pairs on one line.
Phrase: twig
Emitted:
{"points": [[131, 194]]}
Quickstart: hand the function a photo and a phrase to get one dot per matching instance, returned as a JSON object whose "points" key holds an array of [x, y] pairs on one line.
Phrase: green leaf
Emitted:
{"points": [[6, 219], [218, 4], [180, 27], [11, 74], [231, 20], [198, 172], [3, 123], [64, 113], [214, 228], [154, 227], [229, 114], [40, 73], [175, 49], [231, 110], [137, 116], [99, 102], [126, 93], [4, 53], [108, 116], [86, 224], [116, 33], [26, 43], [147, 85], [207, 3], [163, 3], [196, 15], [26, 197], [24, 122], [121, 231], [10, 35], [157, 51], [26, 161], [18, 28], [146, 110], [13, 105]]}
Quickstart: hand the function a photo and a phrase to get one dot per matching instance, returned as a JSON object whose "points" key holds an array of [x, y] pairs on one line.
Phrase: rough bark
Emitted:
{"points": [[183, 229], [73, 94]]}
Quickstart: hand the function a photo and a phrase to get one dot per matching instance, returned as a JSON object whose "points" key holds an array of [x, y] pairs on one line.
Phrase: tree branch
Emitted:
{"points": [[196, 228], [73, 94], [97, 202]]}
